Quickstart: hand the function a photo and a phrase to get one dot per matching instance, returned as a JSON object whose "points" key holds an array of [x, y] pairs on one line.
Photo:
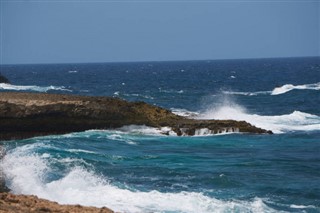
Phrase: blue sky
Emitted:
{"points": [[110, 31]]}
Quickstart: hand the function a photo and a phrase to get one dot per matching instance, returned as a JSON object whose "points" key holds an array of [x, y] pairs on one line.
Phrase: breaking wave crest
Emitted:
{"points": [[82, 186], [4, 86], [295, 121], [277, 90], [184, 112], [288, 87]]}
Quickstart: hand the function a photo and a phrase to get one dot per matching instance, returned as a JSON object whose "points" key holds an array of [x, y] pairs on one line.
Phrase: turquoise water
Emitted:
{"points": [[136, 169]]}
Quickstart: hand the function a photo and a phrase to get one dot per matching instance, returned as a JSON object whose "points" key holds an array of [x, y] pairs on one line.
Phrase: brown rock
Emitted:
{"points": [[11, 203], [24, 115]]}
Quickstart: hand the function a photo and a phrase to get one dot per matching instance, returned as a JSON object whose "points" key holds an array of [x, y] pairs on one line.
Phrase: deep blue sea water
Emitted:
{"points": [[136, 169]]}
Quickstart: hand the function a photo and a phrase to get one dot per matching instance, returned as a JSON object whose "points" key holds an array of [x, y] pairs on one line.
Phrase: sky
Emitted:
{"points": [[67, 31]]}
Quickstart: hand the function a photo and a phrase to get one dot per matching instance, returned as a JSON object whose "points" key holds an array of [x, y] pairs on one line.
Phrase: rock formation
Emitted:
{"points": [[24, 115], [3, 79], [11, 203]]}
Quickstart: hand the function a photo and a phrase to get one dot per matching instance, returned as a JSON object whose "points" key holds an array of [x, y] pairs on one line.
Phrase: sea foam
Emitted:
{"points": [[184, 112], [288, 87], [277, 90], [4, 86], [81, 186], [295, 121]]}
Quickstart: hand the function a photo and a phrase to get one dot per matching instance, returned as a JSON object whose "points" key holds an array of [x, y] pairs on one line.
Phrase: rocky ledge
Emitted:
{"points": [[24, 115], [11, 203]]}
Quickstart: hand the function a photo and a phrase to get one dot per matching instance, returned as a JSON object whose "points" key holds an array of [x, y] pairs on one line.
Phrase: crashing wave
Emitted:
{"points": [[184, 112], [295, 121], [82, 186], [4, 86]]}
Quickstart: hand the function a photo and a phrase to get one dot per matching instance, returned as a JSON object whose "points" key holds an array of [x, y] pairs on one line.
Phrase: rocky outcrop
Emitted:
{"points": [[24, 115], [11, 203], [3, 79]]}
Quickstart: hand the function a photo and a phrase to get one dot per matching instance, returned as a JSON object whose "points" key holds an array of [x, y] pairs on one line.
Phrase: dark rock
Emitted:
{"points": [[24, 115], [3, 79], [3, 187]]}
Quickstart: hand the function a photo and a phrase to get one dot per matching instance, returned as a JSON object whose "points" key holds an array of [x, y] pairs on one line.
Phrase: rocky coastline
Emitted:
{"points": [[25, 115], [11, 203]]}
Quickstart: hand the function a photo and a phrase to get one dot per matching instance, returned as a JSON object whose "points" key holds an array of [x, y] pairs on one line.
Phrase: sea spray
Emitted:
{"points": [[79, 185], [226, 173], [295, 121]]}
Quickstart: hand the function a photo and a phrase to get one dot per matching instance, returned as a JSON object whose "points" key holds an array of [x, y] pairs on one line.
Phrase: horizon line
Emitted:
{"points": [[159, 61]]}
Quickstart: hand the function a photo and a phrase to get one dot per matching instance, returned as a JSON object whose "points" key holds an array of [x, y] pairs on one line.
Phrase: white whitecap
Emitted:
{"points": [[80, 151], [288, 87], [301, 206], [81, 186], [278, 90], [4, 86], [184, 112], [145, 130], [247, 93], [295, 121], [138, 95]]}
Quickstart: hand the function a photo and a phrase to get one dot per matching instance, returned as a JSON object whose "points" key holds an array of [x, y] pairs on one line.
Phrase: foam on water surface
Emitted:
{"points": [[288, 87], [4, 86], [295, 121], [277, 90], [81, 186]]}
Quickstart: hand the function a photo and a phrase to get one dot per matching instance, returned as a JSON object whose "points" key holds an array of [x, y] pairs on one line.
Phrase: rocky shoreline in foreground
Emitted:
{"points": [[25, 115], [11, 203]]}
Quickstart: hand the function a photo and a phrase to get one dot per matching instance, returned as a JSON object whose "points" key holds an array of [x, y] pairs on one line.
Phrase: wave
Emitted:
{"points": [[295, 121], [117, 93], [247, 93], [4, 86], [81, 186], [184, 112], [277, 90], [126, 133], [129, 133], [288, 87], [170, 91]]}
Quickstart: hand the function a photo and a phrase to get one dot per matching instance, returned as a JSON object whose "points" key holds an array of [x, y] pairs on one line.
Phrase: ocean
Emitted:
{"points": [[136, 169]]}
